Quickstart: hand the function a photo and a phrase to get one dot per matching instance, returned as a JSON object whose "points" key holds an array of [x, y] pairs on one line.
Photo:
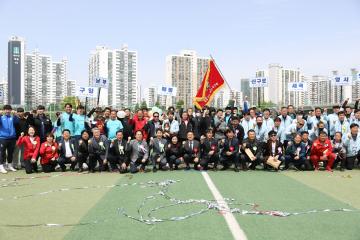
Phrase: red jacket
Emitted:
{"points": [[319, 148], [31, 149], [139, 125], [100, 125], [47, 152]]}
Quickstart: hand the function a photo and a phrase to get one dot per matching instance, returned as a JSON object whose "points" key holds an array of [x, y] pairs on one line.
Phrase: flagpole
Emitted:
{"points": [[86, 99], [220, 72], [223, 78], [98, 100]]}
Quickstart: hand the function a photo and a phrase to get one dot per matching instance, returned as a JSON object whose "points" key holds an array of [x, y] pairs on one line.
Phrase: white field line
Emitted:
{"points": [[233, 225]]}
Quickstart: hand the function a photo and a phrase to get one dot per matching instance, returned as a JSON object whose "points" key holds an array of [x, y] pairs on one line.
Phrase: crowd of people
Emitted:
{"points": [[217, 139]]}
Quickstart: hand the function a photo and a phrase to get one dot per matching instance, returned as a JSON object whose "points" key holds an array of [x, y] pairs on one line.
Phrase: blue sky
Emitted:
{"points": [[242, 36]]}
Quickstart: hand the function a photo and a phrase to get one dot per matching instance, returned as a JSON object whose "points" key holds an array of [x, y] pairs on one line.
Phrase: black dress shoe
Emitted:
{"points": [[244, 167], [252, 167]]}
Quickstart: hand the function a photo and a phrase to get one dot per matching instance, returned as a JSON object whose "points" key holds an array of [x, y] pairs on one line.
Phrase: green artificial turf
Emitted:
{"points": [[344, 186], [276, 191], [286, 191], [59, 207], [210, 225]]}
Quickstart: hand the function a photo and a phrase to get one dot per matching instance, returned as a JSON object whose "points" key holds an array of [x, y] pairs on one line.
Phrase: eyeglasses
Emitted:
{"points": [[273, 135], [156, 116]]}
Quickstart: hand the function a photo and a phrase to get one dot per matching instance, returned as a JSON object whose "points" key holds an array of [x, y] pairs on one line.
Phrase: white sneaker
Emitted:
{"points": [[2, 169], [85, 166], [11, 168]]}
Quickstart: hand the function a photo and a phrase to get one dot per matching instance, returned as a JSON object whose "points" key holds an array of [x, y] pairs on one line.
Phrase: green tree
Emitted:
{"points": [[263, 105], [162, 107], [54, 107], [143, 104], [136, 107], [68, 99], [231, 103], [179, 104]]}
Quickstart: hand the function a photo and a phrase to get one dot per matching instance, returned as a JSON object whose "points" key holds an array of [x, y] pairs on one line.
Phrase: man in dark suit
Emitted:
{"points": [[295, 154], [230, 152], [116, 154], [67, 151], [273, 149], [209, 151], [306, 141], [237, 129], [255, 147], [97, 146], [192, 151]]}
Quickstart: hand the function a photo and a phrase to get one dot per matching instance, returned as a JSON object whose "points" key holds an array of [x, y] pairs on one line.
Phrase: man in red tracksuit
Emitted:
{"points": [[139, 122], [322, 151]]}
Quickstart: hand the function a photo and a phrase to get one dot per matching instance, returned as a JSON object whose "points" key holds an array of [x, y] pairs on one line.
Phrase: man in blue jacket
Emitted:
{"points": [[8, 121]]}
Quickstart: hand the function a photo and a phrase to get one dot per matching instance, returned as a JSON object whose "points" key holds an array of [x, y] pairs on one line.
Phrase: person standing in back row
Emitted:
{"points": [[42, 123], [8, 121], [66, 120]]}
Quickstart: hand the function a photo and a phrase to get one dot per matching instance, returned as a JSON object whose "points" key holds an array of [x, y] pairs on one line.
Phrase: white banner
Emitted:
{"points": [[101, 82], [258, 82], [90, 92], [167, 91], [297, 87], [342, 80]]}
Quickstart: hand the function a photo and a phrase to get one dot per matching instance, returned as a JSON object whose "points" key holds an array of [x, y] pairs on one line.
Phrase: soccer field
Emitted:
{"points": [[93, 205]]}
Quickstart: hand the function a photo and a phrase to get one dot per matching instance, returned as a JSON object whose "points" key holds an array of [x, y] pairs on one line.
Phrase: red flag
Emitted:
{"points": [[211, 83]]}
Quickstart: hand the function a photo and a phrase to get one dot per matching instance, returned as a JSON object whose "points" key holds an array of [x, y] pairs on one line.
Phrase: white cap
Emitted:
{"points": [[120, 114]]}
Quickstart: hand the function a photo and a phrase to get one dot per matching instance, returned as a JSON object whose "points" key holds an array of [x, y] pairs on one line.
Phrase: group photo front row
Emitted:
{"points": [[106, 139]]}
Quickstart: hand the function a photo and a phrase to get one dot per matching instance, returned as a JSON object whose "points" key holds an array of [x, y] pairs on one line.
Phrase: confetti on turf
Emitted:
{"points": [[147, 217]]}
